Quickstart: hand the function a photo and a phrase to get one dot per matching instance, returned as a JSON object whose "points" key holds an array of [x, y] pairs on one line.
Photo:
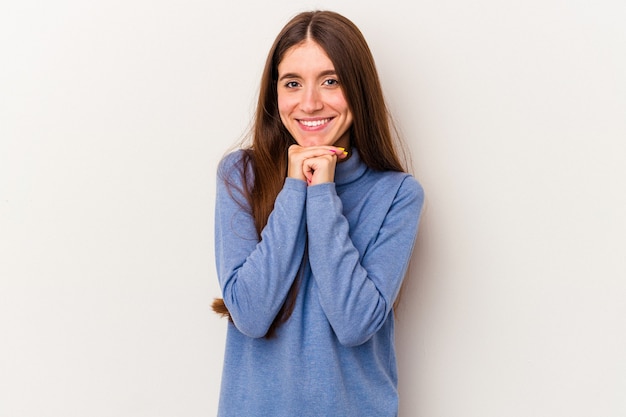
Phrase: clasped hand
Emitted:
{"points": [[314, 164]]}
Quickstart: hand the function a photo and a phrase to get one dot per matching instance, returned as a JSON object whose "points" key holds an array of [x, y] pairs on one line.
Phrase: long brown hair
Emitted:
{"points": [[370, 133]]}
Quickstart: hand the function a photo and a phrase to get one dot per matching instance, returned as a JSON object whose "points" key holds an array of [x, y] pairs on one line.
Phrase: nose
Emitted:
{"points": [[311, 100]]}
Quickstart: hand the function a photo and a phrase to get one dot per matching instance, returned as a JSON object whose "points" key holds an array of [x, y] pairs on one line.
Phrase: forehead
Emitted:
{"points": [[308, 55]]}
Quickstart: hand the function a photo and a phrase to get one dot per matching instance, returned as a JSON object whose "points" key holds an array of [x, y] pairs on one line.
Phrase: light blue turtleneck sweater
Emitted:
{"points": [[335, 356]]}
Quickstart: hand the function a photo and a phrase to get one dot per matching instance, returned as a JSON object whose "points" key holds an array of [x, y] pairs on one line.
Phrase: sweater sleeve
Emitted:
{"points": [[255, 275], [357, 291]]}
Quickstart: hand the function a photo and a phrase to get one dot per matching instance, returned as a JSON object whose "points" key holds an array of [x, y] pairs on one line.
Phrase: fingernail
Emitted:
{"points": [[342, 149], [332, 150], [345, 153]]}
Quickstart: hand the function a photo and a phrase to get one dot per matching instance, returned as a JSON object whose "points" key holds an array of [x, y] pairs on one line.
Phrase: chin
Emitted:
{"points": [[306, 143]]}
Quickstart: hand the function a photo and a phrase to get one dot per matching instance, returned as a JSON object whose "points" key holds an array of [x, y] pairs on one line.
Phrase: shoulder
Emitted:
{"points": [[403, 191], [411, 185], [402, 184], [232, 160], [236, 165]]}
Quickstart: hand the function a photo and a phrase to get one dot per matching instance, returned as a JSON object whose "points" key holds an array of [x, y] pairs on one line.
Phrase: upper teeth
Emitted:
{"points": [[312, 123]]}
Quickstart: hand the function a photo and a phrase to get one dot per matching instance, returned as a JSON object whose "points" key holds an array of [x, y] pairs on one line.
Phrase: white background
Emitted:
{"points": [[113, 115]]}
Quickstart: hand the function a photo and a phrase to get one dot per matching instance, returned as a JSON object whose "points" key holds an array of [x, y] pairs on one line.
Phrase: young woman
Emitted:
{"points": [[315, 224]]}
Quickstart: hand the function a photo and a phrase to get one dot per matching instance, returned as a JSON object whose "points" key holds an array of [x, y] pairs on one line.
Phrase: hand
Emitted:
{"points": [[315, 164]]}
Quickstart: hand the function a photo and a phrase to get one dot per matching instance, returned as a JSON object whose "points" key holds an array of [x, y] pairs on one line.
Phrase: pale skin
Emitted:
{"points": [[314, 110]]}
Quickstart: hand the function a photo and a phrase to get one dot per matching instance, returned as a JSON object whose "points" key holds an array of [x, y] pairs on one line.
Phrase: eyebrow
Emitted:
{"points": [[295, 75]]}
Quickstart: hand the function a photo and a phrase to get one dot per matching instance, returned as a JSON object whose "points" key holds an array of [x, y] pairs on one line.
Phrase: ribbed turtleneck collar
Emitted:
{"points": [[350, 170]]}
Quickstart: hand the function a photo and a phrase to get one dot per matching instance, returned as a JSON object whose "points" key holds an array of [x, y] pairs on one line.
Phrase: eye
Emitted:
{"points": [[331, 82], [292, 84]]}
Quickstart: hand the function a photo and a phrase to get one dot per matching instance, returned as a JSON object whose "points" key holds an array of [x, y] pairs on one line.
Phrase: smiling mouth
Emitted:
{"points": [[314, 123]]}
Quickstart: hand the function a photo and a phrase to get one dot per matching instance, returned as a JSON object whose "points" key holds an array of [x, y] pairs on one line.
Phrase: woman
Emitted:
{"points": [[315, 224]]}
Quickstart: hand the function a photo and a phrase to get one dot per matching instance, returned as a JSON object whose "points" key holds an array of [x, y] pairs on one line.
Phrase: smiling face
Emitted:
{"points": [[311, 102]]}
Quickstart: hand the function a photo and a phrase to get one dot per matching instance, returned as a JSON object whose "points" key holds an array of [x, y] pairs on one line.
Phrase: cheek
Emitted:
{"points": [[339, 103], [349, 118], [281, 109], [285, 102], [285, 109]]}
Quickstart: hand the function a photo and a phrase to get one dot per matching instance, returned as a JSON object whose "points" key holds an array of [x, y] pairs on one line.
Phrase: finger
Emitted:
{"points": [[313, 151], [340, 152], [320, 169], [295, 159], [298, 154]]}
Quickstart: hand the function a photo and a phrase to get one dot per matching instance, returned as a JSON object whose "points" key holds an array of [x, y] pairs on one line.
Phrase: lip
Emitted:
{"points": [[314, 124]]}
